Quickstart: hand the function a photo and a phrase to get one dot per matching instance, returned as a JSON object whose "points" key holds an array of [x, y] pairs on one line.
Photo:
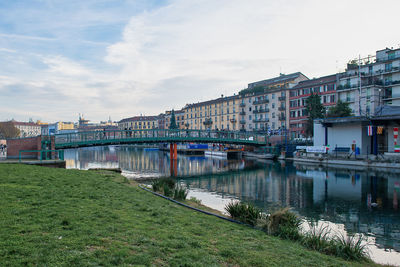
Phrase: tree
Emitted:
{"points": [[8, 130], [172, 125], [315, 110], [342, 109]]}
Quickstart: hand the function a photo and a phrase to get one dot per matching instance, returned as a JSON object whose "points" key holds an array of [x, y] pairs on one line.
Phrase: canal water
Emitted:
{"points": [[348, 201]]}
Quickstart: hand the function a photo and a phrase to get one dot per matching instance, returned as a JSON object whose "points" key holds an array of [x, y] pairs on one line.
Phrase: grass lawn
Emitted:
{"points": [[84, 218]]}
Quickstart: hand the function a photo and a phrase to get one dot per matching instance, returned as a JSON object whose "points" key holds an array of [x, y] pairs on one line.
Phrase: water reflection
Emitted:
{"points": [[148, 161], [355, 201]]}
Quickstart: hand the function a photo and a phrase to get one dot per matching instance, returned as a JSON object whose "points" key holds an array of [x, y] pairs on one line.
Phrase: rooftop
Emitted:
{"points": [[139, 118], [213, 101], [316, 82], [280, 79]]}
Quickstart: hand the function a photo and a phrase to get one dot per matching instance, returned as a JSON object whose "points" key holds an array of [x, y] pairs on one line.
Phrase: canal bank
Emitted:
{"points": [[75, 217], [384, 162], [351, 199]]}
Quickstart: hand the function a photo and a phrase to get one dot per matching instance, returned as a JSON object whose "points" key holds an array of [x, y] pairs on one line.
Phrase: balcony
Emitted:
{"points": [[208, 122], [242, 113], [281, 98], [261, 120], [262, 101], [282, 118], [260, 110], [233, 120], [281, 108], [242, 104], [242, 122], [390, 83]]}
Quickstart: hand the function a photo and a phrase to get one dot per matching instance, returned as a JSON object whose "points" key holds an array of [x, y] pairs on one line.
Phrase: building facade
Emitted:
{"points": [[139, 123], [323, 86], [179, 119], [217, 114], [371, 82], [264, 104], [27, 129]]}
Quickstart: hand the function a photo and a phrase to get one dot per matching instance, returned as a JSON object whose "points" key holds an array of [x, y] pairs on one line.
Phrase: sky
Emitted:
{"points": [[122, 58]]}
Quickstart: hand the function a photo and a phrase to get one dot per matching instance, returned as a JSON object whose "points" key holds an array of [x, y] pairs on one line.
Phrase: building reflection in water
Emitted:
{"points": [[145, 161], [356, 201]]}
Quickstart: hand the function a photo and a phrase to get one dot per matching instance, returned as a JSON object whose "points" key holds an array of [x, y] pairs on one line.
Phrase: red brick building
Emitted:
{"points": [[323, 86]]}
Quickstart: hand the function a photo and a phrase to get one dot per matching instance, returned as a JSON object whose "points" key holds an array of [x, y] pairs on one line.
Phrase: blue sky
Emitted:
{"points": [[123, 58]]}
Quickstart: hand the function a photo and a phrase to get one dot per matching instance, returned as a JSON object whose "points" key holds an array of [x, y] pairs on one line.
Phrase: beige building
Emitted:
{"points": [[139, 123], [179, 119], [221, 113]]}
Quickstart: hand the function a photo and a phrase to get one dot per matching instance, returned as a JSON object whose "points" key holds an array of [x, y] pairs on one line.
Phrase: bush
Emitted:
{"points": [[168, 188], [246, 213], [180, 193], [284, 223], [351, 247], [162, 185], [318, 239]]}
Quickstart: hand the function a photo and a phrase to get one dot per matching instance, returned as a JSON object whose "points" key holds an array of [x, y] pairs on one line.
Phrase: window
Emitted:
{"points": [[273, 96], [388, 67], [273, 105]]}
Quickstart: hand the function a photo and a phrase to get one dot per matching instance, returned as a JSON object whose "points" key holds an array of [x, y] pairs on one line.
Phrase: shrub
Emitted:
{"points": [[318, 239], [244, 212], [162, 185], [180, 193], [195, 200], [351, 247], [283, 223]]}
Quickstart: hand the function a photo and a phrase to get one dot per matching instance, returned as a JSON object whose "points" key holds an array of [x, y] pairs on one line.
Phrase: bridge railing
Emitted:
{"points": [[161, 134]]}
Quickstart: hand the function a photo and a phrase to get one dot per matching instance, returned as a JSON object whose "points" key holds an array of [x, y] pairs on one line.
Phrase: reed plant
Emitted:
{"points": [[351, 247], [244, 212], [180, 193], [283, 223], [318, 239]]}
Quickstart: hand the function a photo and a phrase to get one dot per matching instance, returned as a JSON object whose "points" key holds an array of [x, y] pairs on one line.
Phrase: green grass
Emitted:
{"points": [[57, 217]]}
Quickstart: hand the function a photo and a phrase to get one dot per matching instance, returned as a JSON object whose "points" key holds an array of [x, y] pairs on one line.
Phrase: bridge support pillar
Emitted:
{"points": [[173, 151], [173, 156]]}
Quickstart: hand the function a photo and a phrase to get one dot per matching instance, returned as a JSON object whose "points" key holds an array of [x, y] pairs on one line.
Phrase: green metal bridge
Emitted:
{"points": [[118, 137]]}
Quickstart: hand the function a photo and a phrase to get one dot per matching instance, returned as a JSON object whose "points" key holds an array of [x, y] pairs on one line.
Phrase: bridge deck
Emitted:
{"points": [[98, 138]]}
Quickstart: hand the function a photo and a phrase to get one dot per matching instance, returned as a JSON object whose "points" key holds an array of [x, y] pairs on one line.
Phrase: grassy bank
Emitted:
{"points": [[70, 217]]}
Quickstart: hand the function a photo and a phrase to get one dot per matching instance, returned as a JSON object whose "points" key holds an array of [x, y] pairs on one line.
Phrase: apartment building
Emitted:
{"points": [[264, 104], [323, 86], [371, 82], [179, 119], [221, 113], [139, 123], [27, 129]]}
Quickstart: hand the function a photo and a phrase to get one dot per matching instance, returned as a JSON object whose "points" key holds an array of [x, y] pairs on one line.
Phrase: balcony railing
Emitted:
{"points": [[233, 120], [260, 110], [390, 83], [242, 113], [281, 98], [242, 122], [281, 108], [242, 104], [282, 118], [262, 101], [261, 120]]}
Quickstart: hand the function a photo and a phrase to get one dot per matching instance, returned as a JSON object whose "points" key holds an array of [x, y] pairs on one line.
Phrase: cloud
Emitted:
{"points": [[108, 60]]}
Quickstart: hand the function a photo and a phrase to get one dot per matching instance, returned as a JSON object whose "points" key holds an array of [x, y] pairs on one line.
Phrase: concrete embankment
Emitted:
{"points": [[360, 163]]}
